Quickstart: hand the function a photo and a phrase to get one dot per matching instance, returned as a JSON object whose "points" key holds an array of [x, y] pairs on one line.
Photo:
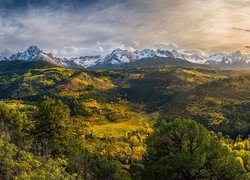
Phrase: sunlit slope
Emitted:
{"points": [[92, 97], [223, 104], [218, 99]]}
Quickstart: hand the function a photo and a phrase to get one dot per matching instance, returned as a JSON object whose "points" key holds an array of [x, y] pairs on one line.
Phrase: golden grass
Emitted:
{"points": [[118, 129]]}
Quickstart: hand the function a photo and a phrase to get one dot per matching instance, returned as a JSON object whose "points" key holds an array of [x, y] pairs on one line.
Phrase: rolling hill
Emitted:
{"points": [[218, 99]]}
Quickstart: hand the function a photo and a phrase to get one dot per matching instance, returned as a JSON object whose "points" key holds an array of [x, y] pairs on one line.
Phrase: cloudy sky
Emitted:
{"points": [[88, 27]]}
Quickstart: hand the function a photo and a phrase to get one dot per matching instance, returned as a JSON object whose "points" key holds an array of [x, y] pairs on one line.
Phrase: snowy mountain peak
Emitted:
{"points": [[33, 50], [33, 53], [164, 53], [223, 59], [236, 53], [237, 56], [115, 51], [82, 61], [119, 56], [29, 54]]}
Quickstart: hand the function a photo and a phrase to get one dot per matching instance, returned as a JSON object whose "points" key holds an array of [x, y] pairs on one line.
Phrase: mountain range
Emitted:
{"points": [[119, 57]]}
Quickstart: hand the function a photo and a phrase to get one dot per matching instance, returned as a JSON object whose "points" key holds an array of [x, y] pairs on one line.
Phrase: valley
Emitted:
{"points": [[124, 90], [112, 112]]}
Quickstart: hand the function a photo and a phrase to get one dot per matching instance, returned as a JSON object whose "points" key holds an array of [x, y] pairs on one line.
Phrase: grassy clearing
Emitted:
{"points": [[135, 121]]}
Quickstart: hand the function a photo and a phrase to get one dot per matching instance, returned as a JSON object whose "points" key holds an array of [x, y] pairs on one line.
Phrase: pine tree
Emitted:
{"points": [[52, 125]]}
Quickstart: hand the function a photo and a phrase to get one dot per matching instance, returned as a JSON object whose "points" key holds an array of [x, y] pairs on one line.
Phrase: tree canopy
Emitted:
{"points": [[184, 149]]}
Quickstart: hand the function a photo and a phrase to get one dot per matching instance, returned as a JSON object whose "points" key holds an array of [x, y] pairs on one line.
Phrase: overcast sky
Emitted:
{"points": [[89, 27]]}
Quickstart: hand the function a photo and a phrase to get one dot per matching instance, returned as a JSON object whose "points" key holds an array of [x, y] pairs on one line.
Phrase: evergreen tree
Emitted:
{"points": [[184, 149], [52, 125]]}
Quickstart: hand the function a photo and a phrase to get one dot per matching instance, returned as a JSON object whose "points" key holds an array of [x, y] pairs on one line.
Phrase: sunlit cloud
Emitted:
{"points": [[74, 28]]}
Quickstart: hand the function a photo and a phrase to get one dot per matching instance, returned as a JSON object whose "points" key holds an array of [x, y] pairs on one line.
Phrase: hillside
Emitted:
{"points": [[88, 94], [111, 113], [217, 99]]}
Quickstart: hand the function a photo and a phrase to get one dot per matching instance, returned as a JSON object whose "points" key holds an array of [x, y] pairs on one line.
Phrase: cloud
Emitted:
{"points": [[95, 49], [90, 27], [241, 29]]}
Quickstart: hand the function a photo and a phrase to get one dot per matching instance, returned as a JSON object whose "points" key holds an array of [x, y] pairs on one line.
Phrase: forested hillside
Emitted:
{"points": [[131, 123], [218, 99]]}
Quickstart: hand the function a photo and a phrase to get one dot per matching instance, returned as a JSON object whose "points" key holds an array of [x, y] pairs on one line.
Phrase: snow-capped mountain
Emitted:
{"points": [[191, 57], [145, 53], [82, 61], [236, 59], [223, 59], [33, 53], [120, 57]]}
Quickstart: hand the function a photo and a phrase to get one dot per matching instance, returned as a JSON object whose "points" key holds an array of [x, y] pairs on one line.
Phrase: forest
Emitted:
{"points": [[132, 123]]}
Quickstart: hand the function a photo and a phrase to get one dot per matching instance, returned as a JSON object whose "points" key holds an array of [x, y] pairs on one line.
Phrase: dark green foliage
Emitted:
{"points": [[136, 170], [184, 149], [156, 89], [76, 107], [107, 169], [52, 125], [23, 66]]}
